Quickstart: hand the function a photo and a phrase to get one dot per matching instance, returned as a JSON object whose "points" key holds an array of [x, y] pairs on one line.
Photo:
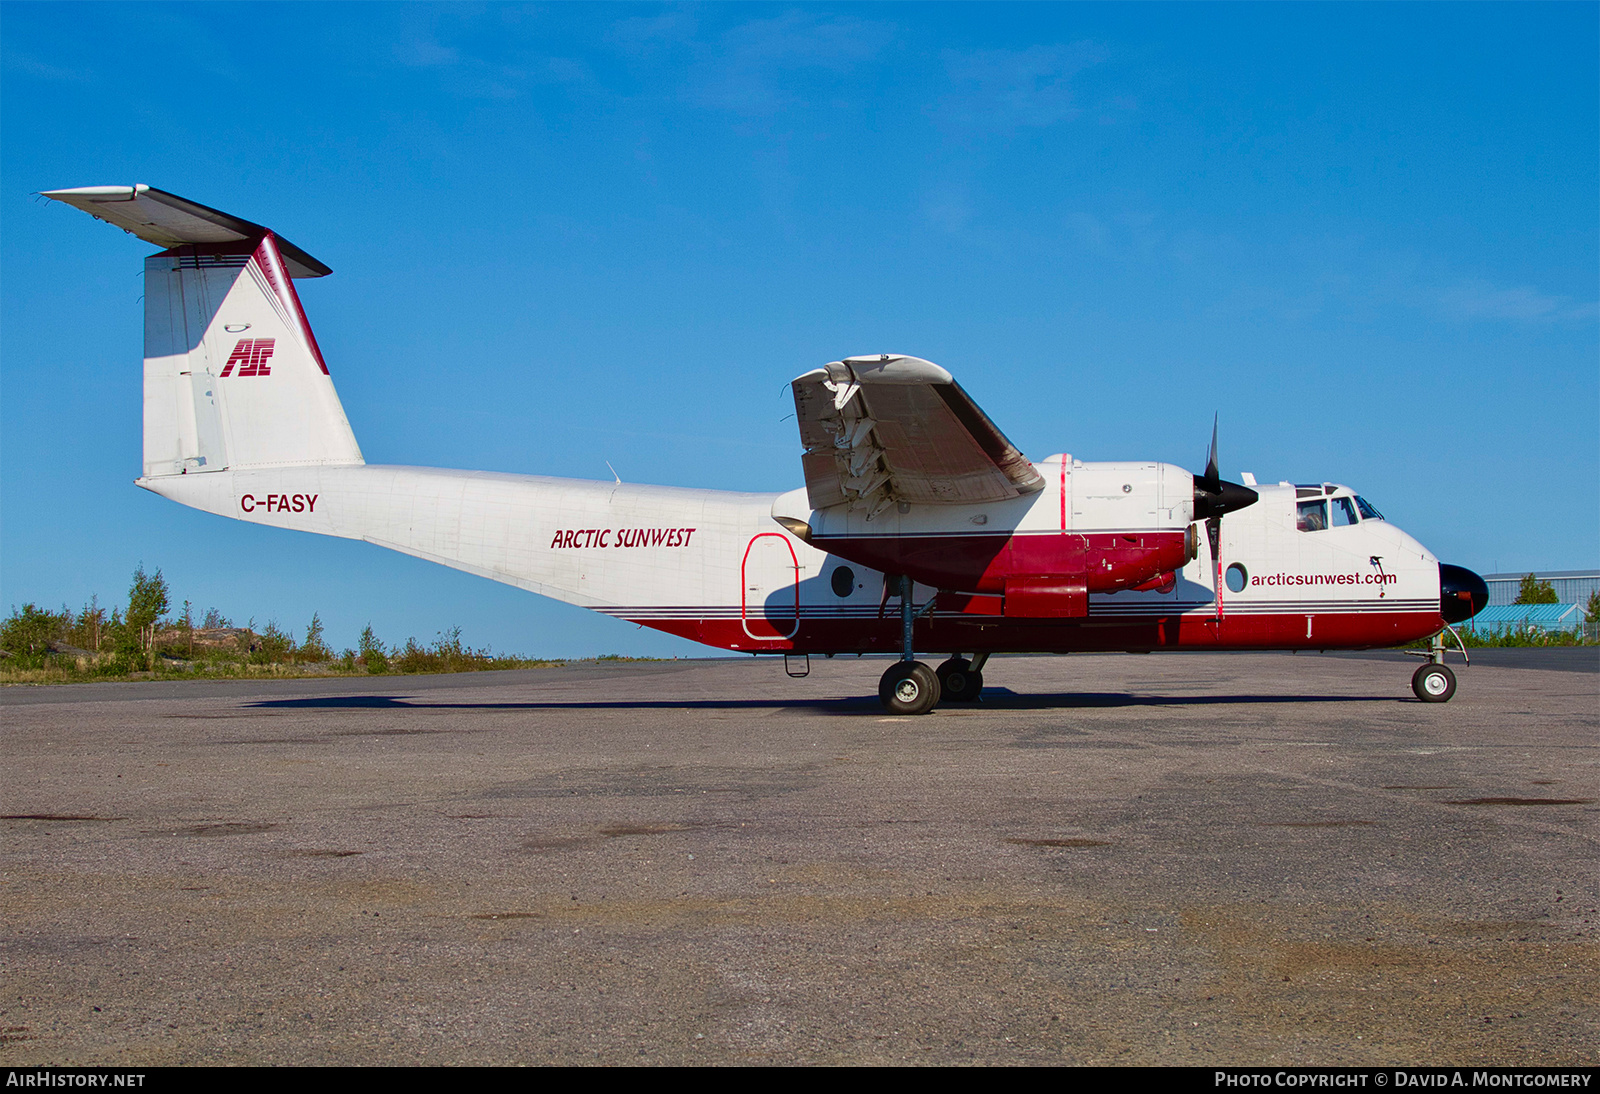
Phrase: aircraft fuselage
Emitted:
{"points": [[714, 567]]}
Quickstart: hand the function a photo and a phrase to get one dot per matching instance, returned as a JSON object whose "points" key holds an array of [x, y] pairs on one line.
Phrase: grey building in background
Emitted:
{"points": [[1571, 586]]}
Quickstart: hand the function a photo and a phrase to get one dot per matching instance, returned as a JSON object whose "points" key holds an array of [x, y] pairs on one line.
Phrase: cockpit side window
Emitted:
{"points": [[1367, 511], [1344, 512], [1311, 516]]}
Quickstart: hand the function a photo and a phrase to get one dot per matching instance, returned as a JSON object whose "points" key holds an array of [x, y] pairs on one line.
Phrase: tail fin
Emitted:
{"points": [[233, 376]]}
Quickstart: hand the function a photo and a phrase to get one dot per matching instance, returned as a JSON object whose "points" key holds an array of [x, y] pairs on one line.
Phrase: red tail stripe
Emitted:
{"points": [[271, 264]]}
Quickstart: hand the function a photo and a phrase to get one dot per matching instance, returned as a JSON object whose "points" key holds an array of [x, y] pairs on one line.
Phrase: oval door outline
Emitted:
{"points": [[744, 589]]}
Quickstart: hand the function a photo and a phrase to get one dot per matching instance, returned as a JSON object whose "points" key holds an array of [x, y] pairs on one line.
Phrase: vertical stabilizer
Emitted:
{"points": [[233, 376]]}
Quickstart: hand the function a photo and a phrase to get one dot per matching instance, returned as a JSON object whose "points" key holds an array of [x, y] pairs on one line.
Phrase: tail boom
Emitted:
{"points": [[594, 544]]}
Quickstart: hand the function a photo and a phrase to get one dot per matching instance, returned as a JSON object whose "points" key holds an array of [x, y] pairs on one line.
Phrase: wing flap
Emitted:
{"points": [[886, 429]]}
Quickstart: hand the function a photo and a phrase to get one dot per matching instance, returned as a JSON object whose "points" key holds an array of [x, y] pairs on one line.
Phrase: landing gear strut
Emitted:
{"points": [[909, 687]]}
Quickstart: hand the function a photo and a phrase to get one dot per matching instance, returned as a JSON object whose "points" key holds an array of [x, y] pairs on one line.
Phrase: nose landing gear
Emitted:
{"points": [[1433, 682]]}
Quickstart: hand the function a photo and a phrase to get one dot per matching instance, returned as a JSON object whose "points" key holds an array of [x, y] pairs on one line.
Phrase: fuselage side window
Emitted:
{"points": [[1367, 511], [1311, 516], [1344, 512]]}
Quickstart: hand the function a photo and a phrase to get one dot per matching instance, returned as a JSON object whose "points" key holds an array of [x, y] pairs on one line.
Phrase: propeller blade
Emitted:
{"points": [[1212, 496], [1212, 476], [1214, 537]]}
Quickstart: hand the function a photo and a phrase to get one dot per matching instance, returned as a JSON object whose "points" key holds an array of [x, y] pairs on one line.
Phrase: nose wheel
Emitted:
{"points": [[1433, 684]]}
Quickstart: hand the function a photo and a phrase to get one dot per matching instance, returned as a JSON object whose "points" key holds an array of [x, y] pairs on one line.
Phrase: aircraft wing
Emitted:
{"points": [[887, 428], [167, 220]]}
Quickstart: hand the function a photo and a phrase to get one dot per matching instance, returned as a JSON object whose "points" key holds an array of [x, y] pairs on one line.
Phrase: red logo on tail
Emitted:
{"points": [[251, 355]]}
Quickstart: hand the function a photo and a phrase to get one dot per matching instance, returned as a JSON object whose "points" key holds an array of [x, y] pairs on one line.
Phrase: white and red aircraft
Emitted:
{"points": [[920, 527]]}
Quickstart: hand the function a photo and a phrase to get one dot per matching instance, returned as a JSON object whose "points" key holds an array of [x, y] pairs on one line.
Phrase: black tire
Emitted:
{"points": [[1433, 684], [958, 683], [909, 687]]}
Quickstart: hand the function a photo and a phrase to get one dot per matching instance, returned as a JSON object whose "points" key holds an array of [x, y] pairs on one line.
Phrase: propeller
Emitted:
{"points": [[1212, 498]]}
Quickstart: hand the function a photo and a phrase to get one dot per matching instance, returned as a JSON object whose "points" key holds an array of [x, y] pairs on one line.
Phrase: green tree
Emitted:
{"points": [[315, 647], [86, 632], [148, 601], [27, 634], [1591, 613], [372, 652], [1534, 591], [273, 645]]}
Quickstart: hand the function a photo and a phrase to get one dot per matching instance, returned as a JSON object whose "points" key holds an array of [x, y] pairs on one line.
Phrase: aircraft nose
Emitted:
{"points": [[1462, 593]]}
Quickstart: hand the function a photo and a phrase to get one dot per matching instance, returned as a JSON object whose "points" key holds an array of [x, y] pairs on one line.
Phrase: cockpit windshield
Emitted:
{"points": [[1314, 515]]}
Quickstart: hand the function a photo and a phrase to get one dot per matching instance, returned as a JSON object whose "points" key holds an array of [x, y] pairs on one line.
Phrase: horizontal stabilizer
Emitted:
{"points": [[167, 220]]}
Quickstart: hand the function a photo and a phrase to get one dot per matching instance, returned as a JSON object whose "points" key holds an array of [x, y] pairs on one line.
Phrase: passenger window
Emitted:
{"points": [[844, 581], [1344, 512], [1311, 516]]}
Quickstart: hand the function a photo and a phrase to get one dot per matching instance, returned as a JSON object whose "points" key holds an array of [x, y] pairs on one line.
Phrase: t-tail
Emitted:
{"points": [[220, 314]]}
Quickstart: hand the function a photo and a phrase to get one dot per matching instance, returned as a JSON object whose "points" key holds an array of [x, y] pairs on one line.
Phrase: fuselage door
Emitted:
{"points": [[769, 588]]}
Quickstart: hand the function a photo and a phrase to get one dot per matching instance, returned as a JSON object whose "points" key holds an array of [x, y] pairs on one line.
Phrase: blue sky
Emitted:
{"points": [[566, 234]]}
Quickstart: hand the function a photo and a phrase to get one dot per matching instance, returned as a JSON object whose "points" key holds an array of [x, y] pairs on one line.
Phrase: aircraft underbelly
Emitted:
{"points": [[1282, 631]]}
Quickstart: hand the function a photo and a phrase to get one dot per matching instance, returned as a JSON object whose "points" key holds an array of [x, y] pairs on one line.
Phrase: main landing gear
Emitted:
{"points": [[1433, 682], [960, 680], [911, 687]]}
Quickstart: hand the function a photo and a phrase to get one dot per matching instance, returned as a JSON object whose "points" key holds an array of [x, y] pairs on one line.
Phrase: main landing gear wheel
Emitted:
{"points": [[909, 687], [959, 682], [1434, 684]]}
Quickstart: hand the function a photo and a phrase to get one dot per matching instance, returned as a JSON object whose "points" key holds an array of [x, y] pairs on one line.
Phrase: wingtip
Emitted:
{"points": [[98, 193]]}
